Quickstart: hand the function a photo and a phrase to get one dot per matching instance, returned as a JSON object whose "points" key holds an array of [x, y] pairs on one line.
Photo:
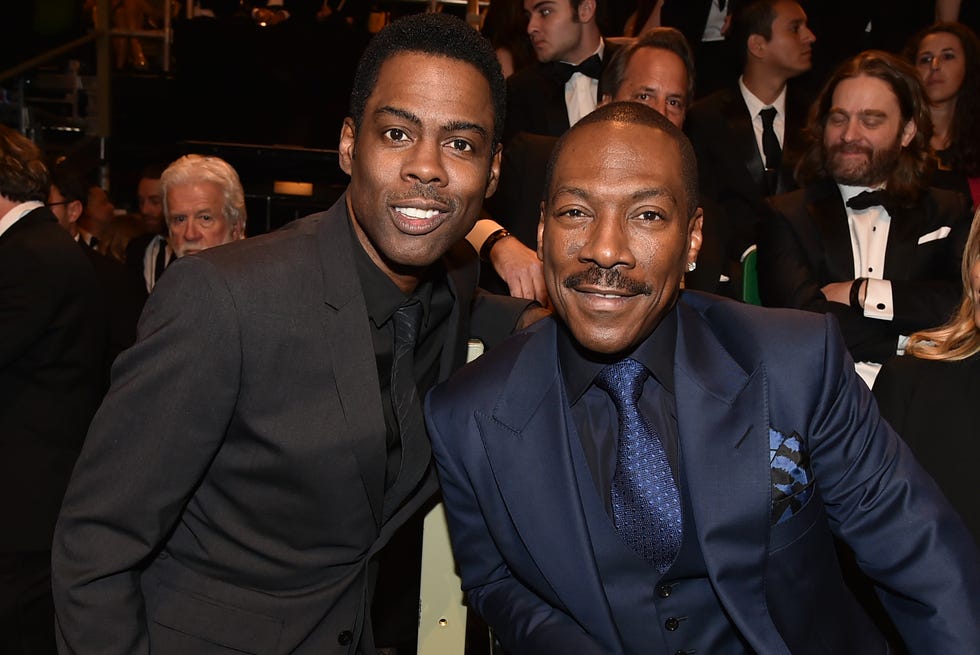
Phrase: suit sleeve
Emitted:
{"points": [[787, 278], [904, 533], [149, 446], [523, 621]]}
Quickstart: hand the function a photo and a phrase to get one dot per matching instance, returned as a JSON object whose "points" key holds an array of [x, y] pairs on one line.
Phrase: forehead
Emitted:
{"points": [[940, 41], [612, 161], [657, 64], [433, 87], [865, 93], [204, 192], [148, 186], [531, 5]]}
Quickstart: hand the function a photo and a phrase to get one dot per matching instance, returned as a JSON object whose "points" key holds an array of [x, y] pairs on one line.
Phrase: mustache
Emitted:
{"points": [[424, 192], [850, 148], [607, 278]]}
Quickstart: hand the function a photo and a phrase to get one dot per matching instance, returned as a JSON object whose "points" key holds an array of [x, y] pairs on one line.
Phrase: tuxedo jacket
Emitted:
{"points": [[230, 492], [536, 99], [502, 431], [52, 343], [806, 244], [730, 167]]}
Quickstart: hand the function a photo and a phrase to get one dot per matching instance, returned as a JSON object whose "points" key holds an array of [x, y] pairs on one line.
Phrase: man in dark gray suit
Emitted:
{"points": [[52, 342], [263, 438]]}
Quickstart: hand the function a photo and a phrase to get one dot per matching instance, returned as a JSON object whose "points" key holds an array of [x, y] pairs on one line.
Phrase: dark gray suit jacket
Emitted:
{"points": [[230, 492]]}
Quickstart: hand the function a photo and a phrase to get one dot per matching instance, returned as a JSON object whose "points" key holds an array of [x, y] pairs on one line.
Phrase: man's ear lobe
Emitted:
{"points": [[348, 135]]}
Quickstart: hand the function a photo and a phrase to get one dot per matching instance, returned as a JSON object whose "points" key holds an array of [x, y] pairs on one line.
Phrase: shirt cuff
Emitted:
{"points": [[878, 300], [483, 228]]}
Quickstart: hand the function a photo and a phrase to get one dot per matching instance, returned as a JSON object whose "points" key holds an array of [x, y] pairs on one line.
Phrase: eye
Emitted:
{"points": [[573, 212], [178, 219], [651, 215], [925, 60], [675, 102], [871, 122], [395, 134], [837, 120], [545, 12], [949, 56], [643, 96], [462, 145], [207, 219]]}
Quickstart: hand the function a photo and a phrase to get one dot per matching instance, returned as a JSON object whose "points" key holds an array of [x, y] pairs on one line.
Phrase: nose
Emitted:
{"points": [[851, 132], [808, 36], [607, 243], [425, 163], [192, 231], [532, 24], [936, 63]]}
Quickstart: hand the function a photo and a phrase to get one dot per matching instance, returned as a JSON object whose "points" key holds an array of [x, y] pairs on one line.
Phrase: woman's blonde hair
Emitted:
{"points": [[960, 337]]}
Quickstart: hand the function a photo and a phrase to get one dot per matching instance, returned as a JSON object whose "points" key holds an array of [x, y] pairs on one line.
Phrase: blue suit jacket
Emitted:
{"points": [[500, 433]]}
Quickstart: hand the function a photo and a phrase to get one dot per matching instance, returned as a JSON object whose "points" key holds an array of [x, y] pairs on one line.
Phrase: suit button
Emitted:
{"points": [[664, 590], [345, 637], [672, 624]]}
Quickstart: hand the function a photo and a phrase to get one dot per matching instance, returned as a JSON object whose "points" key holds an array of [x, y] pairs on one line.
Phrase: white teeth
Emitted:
{"points": [[607, 295], [414, 212]]}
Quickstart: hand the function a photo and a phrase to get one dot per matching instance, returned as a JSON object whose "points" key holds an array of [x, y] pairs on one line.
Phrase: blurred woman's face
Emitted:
{"points": [[975, 288], [941, 66]]}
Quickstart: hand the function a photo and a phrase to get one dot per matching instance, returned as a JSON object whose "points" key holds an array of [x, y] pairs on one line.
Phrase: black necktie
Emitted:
{"points": [[415, 450], [866, 199], [645, 499], [770, 147], [591, 67]]}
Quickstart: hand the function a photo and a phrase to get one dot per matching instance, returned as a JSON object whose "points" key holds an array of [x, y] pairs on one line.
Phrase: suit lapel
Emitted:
{"points": [[743, 143], [830, 221], [352, 352], [723, 427], [527, 444], [904, 230]]}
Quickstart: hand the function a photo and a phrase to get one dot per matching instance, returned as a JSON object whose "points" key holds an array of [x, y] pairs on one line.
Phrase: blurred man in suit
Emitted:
{"points": [[658, 471], [867, 239], [749, 136], [52, 341], [564, 86]]}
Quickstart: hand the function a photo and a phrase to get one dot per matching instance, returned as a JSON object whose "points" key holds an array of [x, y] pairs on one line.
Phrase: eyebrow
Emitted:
{"points": [[639, 194], [877, 113], [451, 126]]}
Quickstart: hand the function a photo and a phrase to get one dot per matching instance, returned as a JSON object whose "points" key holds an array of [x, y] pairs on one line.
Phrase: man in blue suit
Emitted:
{"points": [[658, 471]]}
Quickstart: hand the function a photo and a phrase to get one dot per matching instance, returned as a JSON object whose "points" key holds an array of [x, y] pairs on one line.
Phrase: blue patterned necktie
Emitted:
{"points": [[645, 500]]}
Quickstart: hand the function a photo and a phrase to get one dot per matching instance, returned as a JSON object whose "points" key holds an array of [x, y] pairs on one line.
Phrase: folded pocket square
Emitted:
{"points": [[792, 480], [935, 235]]}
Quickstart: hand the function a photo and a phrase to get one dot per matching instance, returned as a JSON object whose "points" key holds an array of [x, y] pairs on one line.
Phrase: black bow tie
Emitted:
{"points": [[867, 199], [591, 67]]}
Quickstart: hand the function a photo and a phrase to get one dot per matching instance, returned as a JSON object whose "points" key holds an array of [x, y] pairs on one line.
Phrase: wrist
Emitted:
{"points": [[491, 241], [855, 299]]}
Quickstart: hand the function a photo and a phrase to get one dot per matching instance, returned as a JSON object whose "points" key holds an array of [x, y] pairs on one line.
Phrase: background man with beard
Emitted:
{"points": [[865, 238]]}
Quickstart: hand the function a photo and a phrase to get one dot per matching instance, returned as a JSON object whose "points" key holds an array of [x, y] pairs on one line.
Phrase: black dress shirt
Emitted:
{"points": [[594, 413], [382, 298]]}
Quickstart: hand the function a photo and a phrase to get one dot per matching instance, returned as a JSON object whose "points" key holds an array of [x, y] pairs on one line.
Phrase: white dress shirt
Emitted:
{"points": [[755, 105], [582, 92], [18, 212]]}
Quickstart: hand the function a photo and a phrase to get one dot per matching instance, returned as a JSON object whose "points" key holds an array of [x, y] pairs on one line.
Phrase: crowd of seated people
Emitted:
{"points": [[856, 191]]}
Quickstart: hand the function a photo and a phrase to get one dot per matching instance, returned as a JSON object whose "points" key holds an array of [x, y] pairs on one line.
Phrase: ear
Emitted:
{"points": [[695, 237], [74, 210], [541, 232], [757, 45], [586, 11], [909, 132], [493, 177], [345, 154]]}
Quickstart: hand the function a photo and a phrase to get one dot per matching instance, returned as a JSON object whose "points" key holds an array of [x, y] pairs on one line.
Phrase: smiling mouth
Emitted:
{"points": [[418, 212]]}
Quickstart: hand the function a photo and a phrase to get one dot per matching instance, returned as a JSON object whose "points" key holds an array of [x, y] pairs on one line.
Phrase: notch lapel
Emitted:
{"points": [[352, 352], [723, 426], [826, 207], [527, 444]]}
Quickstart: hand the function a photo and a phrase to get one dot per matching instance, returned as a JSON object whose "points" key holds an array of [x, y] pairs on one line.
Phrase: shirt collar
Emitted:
{"points": [[755, 105], [847, 192], [18, 212], [381, 296], [601, 50], [656, 352]]}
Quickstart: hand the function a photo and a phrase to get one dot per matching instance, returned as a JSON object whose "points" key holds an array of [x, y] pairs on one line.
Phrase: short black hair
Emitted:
{"points": [[660, 38], [636, 113], [72, 184], [755, 17], [441, 35]]}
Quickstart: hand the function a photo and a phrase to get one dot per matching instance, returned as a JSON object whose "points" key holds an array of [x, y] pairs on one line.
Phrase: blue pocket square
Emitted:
{"points": [[789, 463]]}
